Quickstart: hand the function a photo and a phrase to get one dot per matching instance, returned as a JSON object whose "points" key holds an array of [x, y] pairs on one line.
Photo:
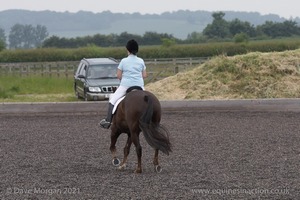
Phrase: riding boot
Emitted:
{"points": [[105, 123]]}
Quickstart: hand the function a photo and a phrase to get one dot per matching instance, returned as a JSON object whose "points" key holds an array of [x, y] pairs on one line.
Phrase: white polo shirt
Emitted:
{"points": [[132, 67]]}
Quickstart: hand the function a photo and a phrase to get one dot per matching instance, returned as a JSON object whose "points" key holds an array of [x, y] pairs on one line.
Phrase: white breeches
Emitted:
{"points": [[120, 92]]}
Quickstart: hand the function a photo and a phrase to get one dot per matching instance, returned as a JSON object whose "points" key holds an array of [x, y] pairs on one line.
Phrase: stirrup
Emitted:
{"points": [[105, 124]]}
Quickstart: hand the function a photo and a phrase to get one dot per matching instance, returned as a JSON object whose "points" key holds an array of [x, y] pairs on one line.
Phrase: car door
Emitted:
{"points": [[82, 80], [76, 79]]}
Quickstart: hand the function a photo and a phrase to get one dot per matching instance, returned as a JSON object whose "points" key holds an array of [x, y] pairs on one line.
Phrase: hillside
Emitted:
{"points": [[250, 76], [82, 23]]}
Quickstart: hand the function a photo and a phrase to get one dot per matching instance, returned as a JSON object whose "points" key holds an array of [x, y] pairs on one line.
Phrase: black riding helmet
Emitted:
{"points": [[132, 46]]}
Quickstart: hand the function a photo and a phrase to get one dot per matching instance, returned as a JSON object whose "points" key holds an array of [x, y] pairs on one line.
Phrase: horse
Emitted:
{"points": [[139, 111]]}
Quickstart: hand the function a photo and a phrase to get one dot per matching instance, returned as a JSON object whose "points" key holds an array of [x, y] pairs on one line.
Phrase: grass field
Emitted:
{"points": [[14, 88], [45, 88]]}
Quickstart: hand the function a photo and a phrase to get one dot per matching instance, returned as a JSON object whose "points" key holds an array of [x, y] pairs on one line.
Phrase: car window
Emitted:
{"points": [[102, 71], [79, 68], [83, 70]]}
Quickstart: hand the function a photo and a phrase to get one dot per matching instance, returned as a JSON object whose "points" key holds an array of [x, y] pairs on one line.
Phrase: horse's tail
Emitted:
{"points": [[156, 135]]}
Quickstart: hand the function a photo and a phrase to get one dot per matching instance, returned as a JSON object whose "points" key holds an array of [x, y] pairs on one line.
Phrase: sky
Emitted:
{"points": [[283, 8]]}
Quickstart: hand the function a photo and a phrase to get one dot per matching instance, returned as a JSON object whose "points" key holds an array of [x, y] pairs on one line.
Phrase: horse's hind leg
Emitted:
{"points": [[126, 153], [157, 168], [138, 148], [114, 137]]}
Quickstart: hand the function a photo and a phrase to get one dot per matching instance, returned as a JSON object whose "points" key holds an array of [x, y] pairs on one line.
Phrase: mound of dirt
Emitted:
{"points": [[250, 76]]}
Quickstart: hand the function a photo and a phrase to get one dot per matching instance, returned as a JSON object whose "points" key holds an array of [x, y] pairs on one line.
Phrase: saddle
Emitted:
{"points": [[132, 88]]}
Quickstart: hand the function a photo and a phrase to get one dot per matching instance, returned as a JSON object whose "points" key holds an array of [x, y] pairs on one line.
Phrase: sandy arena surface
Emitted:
{"points": [[216, 155]]}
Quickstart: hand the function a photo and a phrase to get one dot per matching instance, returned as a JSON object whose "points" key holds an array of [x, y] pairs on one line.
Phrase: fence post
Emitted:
{"points": [[176, 69], [42, 70], [20, 70], [34, 69], [27, 70], [57, 69], [65, 70]]}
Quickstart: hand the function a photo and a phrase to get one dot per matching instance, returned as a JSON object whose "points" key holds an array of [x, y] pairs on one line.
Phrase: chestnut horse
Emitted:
{"points": [[139, 111]]}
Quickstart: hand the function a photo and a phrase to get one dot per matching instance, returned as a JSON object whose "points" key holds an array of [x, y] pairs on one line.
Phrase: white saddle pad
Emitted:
{"points": [[116, 105]]}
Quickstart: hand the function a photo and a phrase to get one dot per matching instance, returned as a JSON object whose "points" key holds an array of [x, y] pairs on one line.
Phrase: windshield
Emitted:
{"points": [[102, 71]]}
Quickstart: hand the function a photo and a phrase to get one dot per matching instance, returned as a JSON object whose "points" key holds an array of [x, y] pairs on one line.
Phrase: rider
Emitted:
{"points": [[131, 71]]}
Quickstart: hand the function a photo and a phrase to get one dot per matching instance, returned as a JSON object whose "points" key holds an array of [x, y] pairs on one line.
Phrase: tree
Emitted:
{"points": [[167, 42], [290, 28], [53, 41], [195, 37], [124, 37], [15, 36], [2, 39], [241, 37], [276, 29], [27, 36], [237, 26], [41, 34], [149, 38], [153, 38], [219, 28], [101, 40]]}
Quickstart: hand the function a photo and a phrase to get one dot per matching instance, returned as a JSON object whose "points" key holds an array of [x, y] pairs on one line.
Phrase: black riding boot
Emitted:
{"points": [[105, 123]]}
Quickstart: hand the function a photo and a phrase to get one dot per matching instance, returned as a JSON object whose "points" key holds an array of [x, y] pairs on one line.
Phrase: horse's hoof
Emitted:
{"points": [[116, 162], [122, 167], [138, 171], [158, 168]]}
